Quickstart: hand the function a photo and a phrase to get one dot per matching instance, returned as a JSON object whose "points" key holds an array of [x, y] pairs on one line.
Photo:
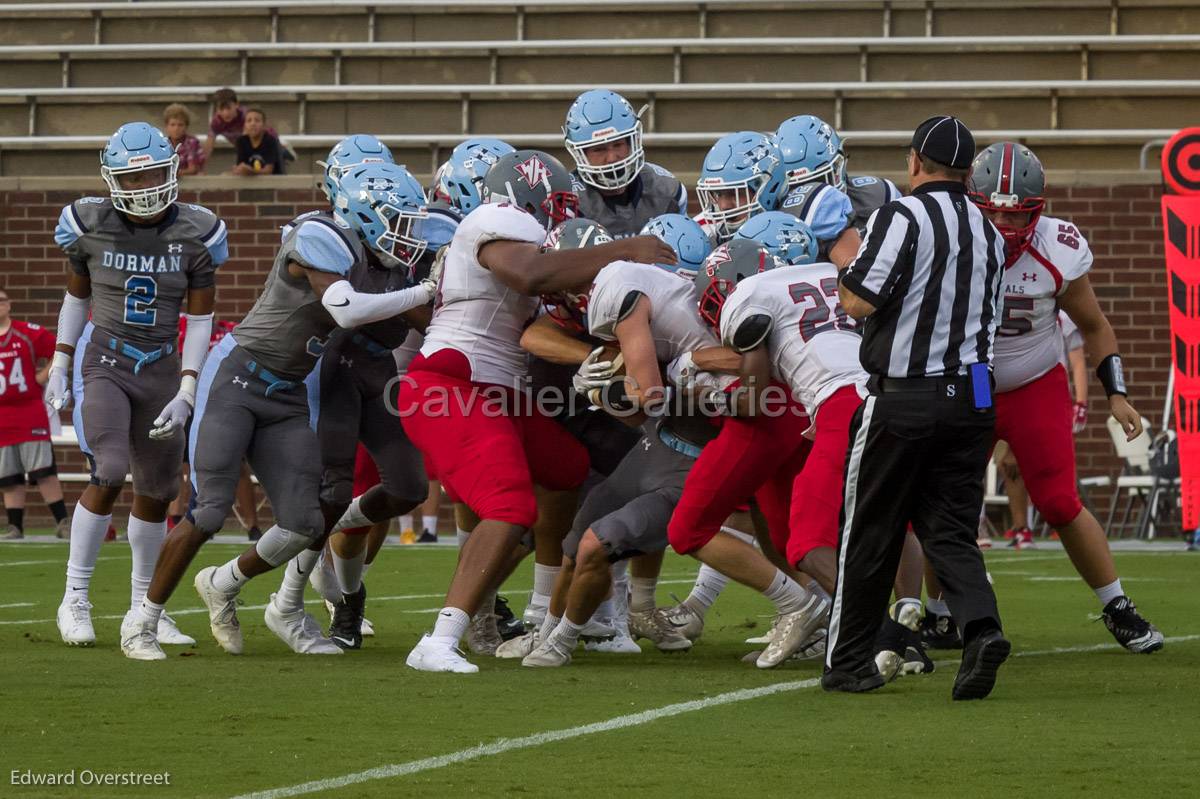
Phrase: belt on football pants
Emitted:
{"points": [[678, 444], [140, 357], [372, 347], [273, 383]]}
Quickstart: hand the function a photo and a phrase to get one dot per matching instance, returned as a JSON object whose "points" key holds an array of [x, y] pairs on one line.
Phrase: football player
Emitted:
{"points": [[647, 311], [459, 180], [137, 257], [617, 187], [491, 457], [758, 452], [252, 403], [1047, 267], [347, 394], [742, 175]]}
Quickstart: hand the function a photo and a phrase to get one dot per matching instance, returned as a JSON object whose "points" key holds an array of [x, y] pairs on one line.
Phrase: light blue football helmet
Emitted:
{"points": [[140, 147], [744, 172], [812, 151], [600, 116], [458, 180], [786, 237], [357, 148], [385, 206], [691, 244]]}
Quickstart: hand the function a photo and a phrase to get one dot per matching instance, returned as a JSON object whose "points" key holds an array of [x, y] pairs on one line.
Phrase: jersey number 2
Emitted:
{"points": [[140, 293], [824, 301]]}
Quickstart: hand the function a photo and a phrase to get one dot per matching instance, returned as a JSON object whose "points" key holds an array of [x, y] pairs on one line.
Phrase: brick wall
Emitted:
{"points": [[1119, 214]]}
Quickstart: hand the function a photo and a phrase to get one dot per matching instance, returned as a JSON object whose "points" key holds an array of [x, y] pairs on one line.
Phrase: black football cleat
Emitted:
{"points": [[940, 632], [981, 660], [345, 629], [1133, 632], [509, 625], [864, 678]]}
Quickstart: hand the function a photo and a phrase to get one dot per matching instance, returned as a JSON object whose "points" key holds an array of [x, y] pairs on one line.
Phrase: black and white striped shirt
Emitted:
{"points": [[931, 264]]}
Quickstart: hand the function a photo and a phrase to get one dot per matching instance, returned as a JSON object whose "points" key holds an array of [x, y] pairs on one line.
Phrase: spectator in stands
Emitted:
{"points": [[192, 155], [258, 151], [26, 454]]}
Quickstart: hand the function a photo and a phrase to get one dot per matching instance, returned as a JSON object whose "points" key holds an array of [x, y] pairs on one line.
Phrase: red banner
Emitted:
{"points": [[1181, 230]]}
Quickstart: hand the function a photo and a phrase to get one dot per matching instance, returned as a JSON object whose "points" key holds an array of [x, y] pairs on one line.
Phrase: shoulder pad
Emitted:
{"points": [[800, 194], [660, 171], [578, 185], [71, 226], [752, 332], [320, 246], [1062, 243], [864, 180]]}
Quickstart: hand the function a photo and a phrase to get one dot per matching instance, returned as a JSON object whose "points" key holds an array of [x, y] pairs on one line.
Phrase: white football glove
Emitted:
{"points": [[175, 415], [682, 371], [430, 282], [594, 373], [58, 382]]}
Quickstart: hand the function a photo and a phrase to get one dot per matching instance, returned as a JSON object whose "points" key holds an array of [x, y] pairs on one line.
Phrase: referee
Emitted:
{"points": [[927, 282]]}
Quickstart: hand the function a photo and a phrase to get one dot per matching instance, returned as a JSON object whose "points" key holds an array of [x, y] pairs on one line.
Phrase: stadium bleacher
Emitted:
{"points": [[1090, 81]]}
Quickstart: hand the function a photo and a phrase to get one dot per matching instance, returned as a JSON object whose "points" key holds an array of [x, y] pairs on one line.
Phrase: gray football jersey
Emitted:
{"points": [[140, 273], [288, 327], [654, 191], [866, 195]]}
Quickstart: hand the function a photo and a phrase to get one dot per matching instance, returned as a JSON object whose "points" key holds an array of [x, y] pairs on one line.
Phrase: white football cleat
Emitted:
{"points": [[367, 628], [549, 654], [75, 621], [299, 630], [793, 631], [653, 626], [139, 638], [169, 633], [766, 637], [619, 644], [518, 647], [439, 654], [687, 621], [533, 617], [222, 612], [598, 628], [483, 636]]}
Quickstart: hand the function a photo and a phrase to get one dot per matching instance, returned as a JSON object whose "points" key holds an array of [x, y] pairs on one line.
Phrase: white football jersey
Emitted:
{"points": [[674, 317], [474, 312], [1029, 341], [812, 341]]}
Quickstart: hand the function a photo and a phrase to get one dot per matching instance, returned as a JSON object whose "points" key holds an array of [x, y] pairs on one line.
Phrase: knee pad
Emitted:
{"points": [[207, 520], [570, 544], [278, 545], [335, 490], [109, 475]]}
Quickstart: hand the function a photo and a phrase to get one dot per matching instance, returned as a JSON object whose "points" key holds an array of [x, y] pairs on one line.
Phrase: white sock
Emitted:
{"points": [[462, 536], [290, 596], [605, 610], [543, 578], [548, 625], [353, 517], [937, 607], [150, 611], [1107, 593], [145, 541], [709, 585], [568, 632], [620, 569], [87, 534], [429, 524], [406, 522], [366, 566], [642, 593], [451, 624], [229, 578], [738, 534], [814, 587], [786, 593], [349, 571]]}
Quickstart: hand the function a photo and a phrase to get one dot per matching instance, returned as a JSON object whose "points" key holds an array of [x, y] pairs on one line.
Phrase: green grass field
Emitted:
{"points": [[1072, 714]]}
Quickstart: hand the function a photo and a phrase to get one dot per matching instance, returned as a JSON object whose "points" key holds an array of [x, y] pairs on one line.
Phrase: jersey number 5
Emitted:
{"points": [[140, 293], [1016, 319], [824, 302]]}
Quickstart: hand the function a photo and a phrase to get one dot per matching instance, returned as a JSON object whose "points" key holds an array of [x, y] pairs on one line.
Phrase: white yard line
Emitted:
{"points": [[18, 605], [62, 561], [620, 722]]}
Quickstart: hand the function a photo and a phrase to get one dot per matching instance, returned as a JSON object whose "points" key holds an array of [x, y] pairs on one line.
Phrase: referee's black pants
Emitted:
{"points": [[919, 456]]}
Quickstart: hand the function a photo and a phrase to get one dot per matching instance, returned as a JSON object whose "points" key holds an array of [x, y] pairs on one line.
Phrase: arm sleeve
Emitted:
{"points": [[318, 246], [195, 341], [350, 308], [72, 318], [883, 255]]}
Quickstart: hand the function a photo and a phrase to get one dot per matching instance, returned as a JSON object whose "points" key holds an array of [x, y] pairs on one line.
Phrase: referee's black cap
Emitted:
{"points": [[945, 139]]}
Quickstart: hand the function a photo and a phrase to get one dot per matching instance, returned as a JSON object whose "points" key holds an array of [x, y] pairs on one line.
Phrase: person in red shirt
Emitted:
{"points": [[25, 450]]}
